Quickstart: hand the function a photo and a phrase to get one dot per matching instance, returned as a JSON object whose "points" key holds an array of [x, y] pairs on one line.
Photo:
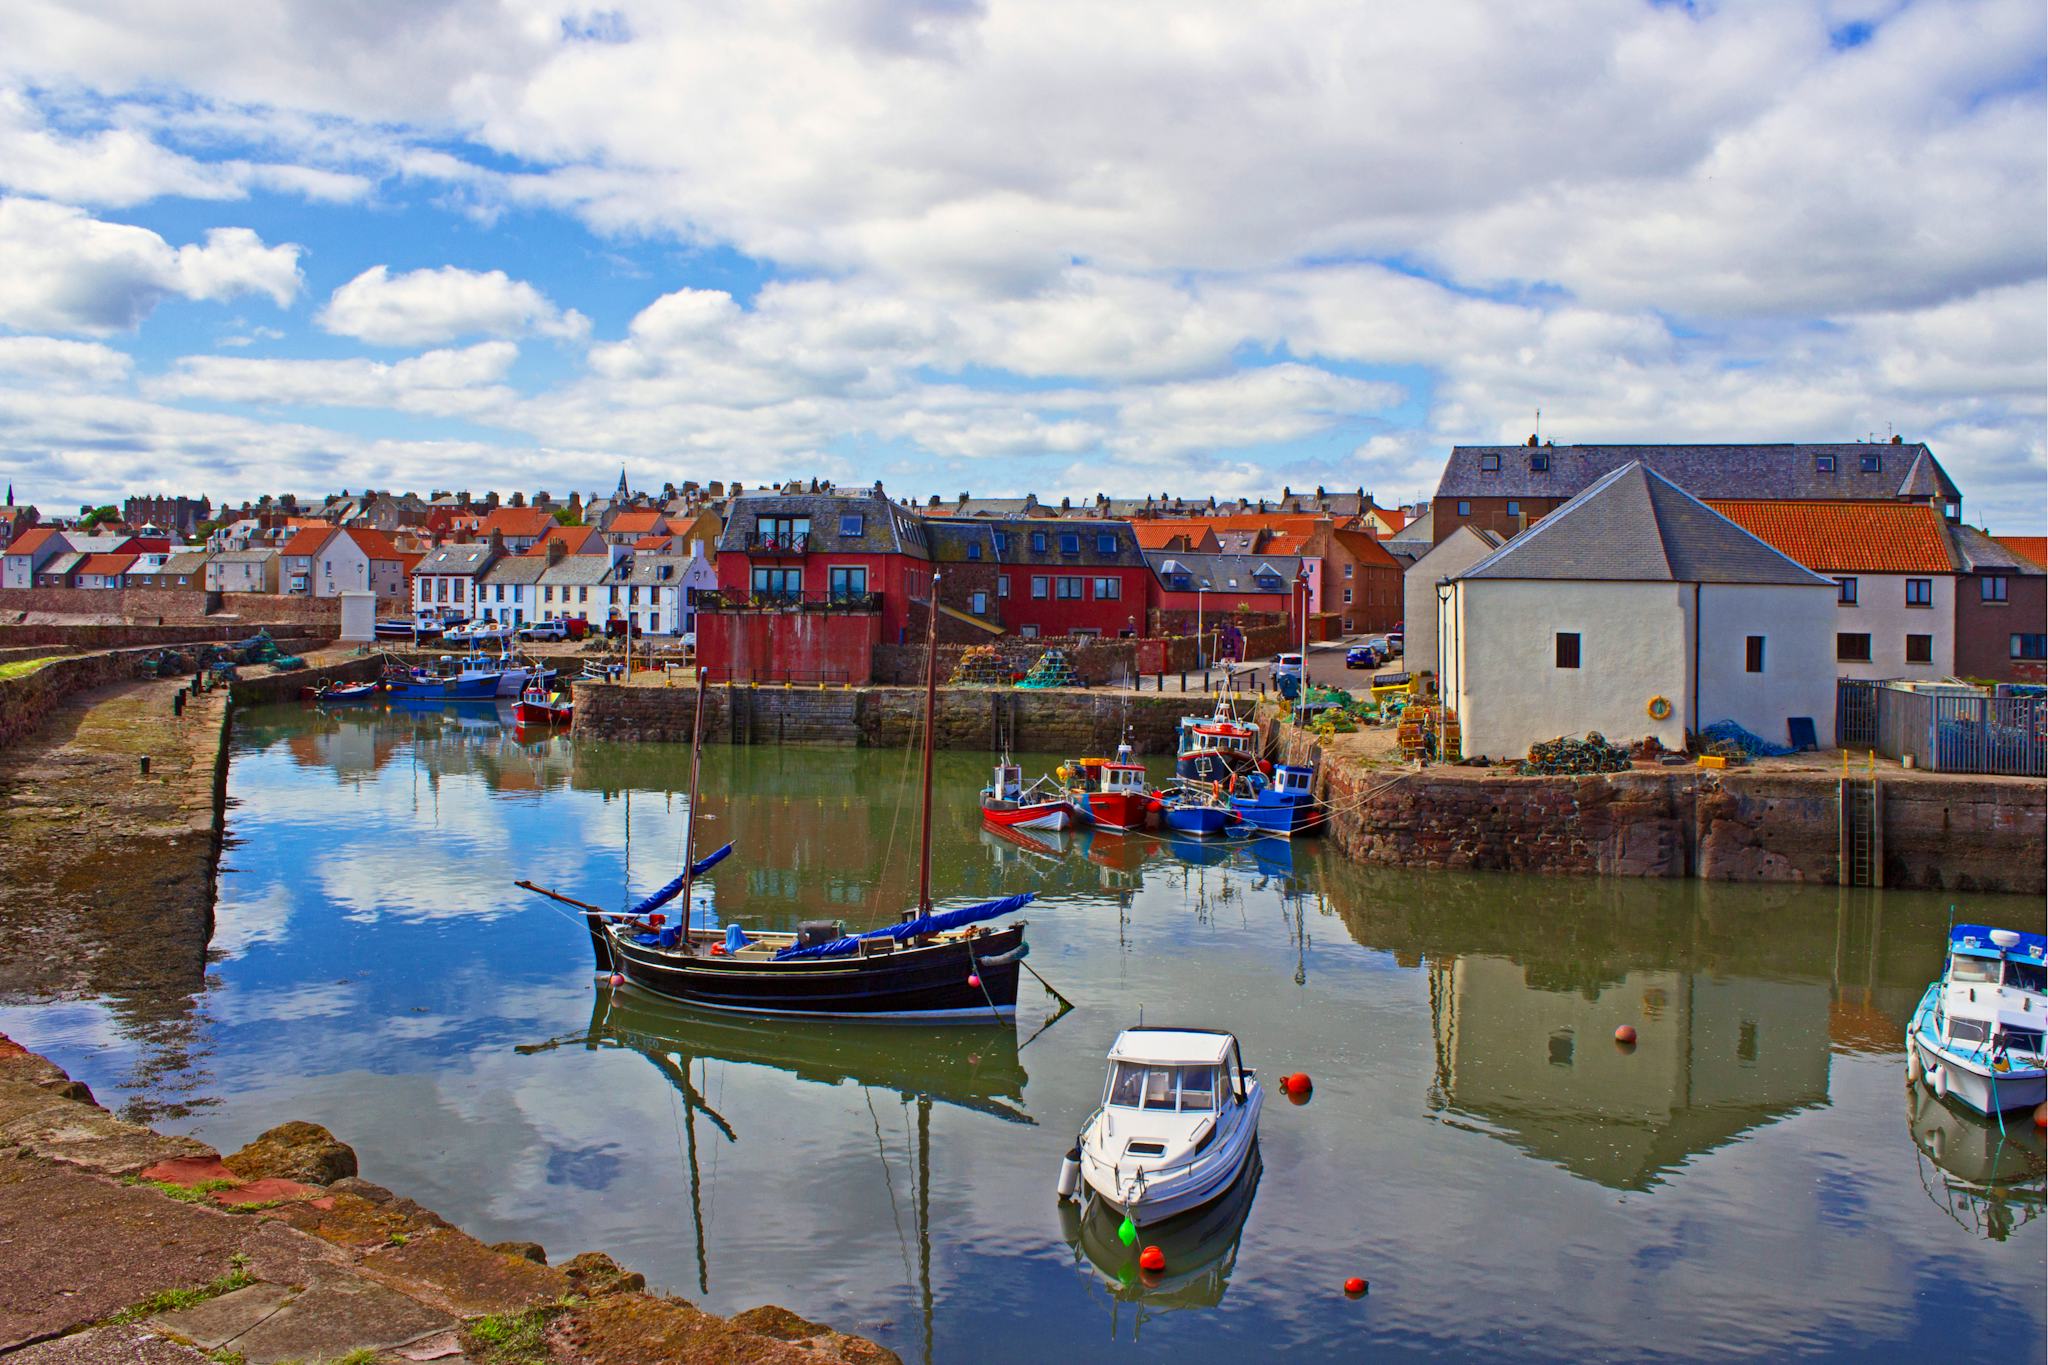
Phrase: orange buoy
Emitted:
{"points": [[1297, 1084], [617, 980], [2041, 1116], [1626, 1035], [1354, 1286], [1152, 1259], [974, 980]]}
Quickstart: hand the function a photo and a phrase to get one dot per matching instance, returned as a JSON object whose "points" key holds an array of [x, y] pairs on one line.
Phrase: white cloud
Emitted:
{"points": [[437, 383], [52, 360], [424, 306], [67, 271]]}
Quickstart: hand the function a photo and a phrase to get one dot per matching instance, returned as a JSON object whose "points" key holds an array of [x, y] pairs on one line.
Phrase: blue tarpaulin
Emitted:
{"points": [[674, 888], [915, 928]]}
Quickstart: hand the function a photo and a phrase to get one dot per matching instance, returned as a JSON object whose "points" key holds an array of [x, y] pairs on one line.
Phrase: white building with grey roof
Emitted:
{"points": [[1635, 610]]}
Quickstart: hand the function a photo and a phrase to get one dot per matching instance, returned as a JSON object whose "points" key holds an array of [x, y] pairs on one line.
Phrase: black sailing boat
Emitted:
{"points": [[931, 965]]}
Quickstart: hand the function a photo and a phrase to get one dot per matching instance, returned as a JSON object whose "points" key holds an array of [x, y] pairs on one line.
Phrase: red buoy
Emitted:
{"points": [[617, 980], [1297, 1084], [1626, 1035], [2041, 1116], [657, 919], [974, 980], [1152, 1259], [1354, 1286]]}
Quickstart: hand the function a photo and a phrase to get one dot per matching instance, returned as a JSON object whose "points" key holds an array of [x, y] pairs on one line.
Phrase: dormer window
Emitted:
{"points": [[1105, 543], [1038, 542], [1070, 544], [852, 524], [1002, 542], [1823, 464], [974, 549], [1539, 463], [1873, 464], [1489, 464]]}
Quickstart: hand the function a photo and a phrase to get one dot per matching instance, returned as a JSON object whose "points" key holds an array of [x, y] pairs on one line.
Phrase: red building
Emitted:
{"points": [[1061, 577]]}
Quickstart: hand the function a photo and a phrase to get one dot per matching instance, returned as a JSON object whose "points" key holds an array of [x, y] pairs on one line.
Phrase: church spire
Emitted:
{"points": [[623, 492]]}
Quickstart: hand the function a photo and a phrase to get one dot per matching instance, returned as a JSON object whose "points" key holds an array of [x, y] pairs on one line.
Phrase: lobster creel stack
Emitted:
{"points": [[1051, 670], [982, 664]]}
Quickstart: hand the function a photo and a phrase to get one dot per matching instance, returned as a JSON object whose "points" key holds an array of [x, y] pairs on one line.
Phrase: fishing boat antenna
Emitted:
{"points": [[931, 696], [690, 816]]}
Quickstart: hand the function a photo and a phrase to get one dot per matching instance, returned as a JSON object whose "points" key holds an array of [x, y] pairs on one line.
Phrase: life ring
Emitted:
{"points": [[1659, 708]]}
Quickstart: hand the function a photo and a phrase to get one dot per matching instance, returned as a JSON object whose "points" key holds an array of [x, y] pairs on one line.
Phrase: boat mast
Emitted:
{"points": [[931, 695], [690, 816]]}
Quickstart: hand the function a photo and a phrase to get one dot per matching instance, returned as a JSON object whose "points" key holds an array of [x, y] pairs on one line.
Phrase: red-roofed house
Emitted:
{"points": [[1185, 536], [631, 524], [575, 540], [520, 526], [28, 554], [104, 571], [1895, 575], [2033, 549], [325, 562]]}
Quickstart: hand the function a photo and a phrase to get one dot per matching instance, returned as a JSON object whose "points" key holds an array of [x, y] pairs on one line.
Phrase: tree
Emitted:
{"points": [[568, 516], [95, 515]]}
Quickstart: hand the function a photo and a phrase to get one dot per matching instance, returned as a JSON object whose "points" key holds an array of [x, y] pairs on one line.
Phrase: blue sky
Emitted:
{"points": [[971, 245]]}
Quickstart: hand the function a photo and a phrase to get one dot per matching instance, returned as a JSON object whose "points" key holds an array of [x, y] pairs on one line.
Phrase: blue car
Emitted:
{"points": [[1362, 656]]}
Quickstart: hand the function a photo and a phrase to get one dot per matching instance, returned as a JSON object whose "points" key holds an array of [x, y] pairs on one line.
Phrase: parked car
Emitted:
{"points": [[1363, 656], [1396, 644], [1287, 666], [545, 630]]}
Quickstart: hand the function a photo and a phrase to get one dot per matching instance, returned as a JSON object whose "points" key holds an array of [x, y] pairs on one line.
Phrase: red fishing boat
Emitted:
{"points": [[1008, 802], [538, 706], [1117, 796]]}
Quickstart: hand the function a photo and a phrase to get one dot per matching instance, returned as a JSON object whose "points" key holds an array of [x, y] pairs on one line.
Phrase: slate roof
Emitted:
{"points": [[514, 571], [886, 528], [1223, 573], [577, 571], [462, 561], [1420, 529], [1013, 544], [63, 564], [1981, 553], [646, 571], [1636, 526], [1705, 471], [949, 539], [185, 562], [1848, 537], [256, 556]]}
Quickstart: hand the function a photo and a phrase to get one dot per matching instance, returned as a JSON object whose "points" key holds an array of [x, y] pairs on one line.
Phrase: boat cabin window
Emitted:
{"points": [[1965, 1030], [1971, 969], [2026, 976], [1139, 1085]]}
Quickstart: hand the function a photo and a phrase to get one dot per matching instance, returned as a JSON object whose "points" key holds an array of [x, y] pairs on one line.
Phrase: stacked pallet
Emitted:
{"points": [[1418, 736]]}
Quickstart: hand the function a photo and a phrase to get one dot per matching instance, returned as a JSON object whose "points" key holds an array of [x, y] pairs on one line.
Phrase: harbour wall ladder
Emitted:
{"points": [[1861, 824]]}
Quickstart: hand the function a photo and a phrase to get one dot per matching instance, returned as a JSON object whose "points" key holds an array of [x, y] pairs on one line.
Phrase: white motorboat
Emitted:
{"points": [[1179, 1119], [1977, 1032]]}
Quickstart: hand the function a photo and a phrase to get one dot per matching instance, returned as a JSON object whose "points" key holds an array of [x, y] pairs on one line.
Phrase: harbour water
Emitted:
{"points": [[1753, 1177]]}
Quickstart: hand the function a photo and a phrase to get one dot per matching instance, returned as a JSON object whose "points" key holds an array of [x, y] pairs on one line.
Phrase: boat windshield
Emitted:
{"points": [[1973, 969], [2026, 976], [1139, 1085]]}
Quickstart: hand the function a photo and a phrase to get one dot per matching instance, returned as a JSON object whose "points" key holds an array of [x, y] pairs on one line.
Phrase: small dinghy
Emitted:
{"points": [[1008, 802], [539, 706], [362, 691], [1179, 1120], [1196, 808], [1976, 1035]]}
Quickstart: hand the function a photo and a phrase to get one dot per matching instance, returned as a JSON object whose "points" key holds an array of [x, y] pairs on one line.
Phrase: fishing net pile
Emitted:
{"points": [[1731, 741], [1565, 756]]}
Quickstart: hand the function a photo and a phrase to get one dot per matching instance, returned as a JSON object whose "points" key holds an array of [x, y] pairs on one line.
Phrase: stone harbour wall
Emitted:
{"points": [[1759, 824], [1070, 721], [125, 635]]}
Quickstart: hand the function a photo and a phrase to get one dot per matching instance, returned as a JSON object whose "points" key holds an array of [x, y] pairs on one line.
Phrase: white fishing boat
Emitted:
{"points": [[1179, 1119], [1976, 1035]]}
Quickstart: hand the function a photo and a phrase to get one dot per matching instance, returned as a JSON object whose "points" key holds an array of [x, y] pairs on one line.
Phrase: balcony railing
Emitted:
{"points": [[768, 544], [851, 602]]}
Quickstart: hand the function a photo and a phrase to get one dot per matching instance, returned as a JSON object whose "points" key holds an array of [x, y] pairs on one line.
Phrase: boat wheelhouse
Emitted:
{"points": [[1284, 804], [540, 706], [1121, 800], [1215, 748], [1977, 1033], [1178, 1121]]}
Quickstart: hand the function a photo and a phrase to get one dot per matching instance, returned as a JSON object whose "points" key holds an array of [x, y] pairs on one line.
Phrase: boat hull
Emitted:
{"points": [[1204, 822], [1120, 810], [1283, 818], [482, 688], [1975, 1086], [910, 983], [540, 713], [1037, 815], [1168, 1194]]}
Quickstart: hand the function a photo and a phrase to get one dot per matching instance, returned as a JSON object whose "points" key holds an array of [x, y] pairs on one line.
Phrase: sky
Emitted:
{"points": [[982, 245]]}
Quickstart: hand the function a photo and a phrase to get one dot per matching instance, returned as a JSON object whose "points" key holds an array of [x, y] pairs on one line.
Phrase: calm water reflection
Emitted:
{"points": [[1752, 1177]]}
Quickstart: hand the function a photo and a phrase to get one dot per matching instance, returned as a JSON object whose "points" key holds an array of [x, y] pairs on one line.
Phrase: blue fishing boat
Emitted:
{"points": [[449, 679], [1284, 804], [1976, 1035], [1195, 808]]}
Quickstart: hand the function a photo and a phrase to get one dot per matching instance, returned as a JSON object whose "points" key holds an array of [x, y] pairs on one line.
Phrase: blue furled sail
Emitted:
{"points": [[674, 888], [924, 924]]}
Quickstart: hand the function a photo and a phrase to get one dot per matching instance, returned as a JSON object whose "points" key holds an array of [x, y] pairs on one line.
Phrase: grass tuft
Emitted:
{"points": [[511, 1338], [172, 1300]]}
